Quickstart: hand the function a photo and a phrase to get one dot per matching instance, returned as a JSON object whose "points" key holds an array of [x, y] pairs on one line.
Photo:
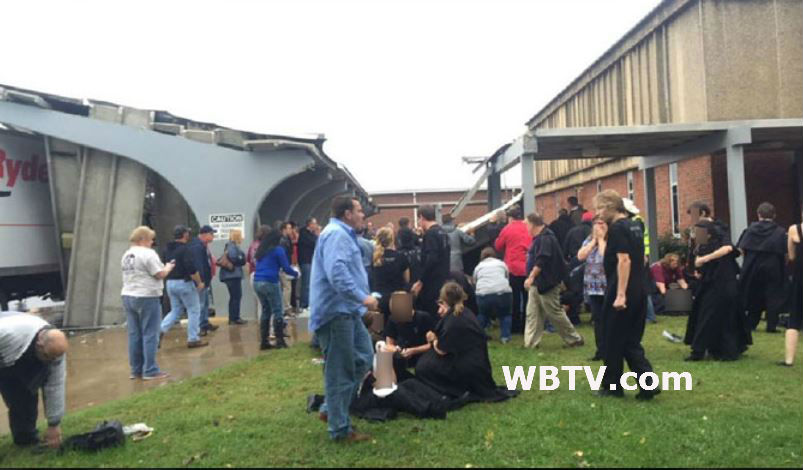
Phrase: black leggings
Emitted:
{"points": [[519, 302]]}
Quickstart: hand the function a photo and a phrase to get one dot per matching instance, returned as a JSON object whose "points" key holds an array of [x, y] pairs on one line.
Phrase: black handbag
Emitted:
{"points": [[106, 434]]}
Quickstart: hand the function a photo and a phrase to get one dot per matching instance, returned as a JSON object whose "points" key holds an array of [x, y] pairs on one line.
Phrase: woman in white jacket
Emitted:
{"points": [[494, 297]]}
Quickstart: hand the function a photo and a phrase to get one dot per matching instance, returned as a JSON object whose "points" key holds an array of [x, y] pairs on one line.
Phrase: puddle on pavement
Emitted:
{"points": [[97, 362]]}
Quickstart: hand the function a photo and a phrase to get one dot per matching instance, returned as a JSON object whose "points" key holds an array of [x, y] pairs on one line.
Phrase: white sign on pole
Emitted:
{"points": [[225, 223]]}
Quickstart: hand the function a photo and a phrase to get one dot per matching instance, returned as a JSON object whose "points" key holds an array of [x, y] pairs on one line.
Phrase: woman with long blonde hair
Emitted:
{"points": [[391, 269], [233, 278]]}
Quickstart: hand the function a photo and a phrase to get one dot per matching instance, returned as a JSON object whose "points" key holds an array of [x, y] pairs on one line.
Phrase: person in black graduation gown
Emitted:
{"points": [[457, 365], [411, 340], [391, 270], [716, 324], [625, 304], [762, 279], [435, 257], [794, 243]]}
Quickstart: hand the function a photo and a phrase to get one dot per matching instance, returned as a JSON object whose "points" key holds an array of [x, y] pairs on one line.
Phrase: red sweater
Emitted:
{"points": [[514, 241]]}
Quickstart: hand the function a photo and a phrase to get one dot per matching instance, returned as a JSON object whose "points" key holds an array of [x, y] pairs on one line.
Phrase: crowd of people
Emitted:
{"points": [[532, 277]]}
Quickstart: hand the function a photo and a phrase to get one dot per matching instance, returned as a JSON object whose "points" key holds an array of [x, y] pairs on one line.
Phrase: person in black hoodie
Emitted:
{"points": [[763, 245], [561, 226], [435, 253], [307, 239], [576, 236]]}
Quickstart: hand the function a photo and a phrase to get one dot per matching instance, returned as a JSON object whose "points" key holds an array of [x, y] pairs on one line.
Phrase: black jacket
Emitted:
{"points": [[545, 253], [575, 238], [560, 227], [306, 245], [185, 263]]}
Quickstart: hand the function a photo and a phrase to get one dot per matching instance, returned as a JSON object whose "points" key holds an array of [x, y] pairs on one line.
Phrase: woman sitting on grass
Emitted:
{"points": [[458, 363]]}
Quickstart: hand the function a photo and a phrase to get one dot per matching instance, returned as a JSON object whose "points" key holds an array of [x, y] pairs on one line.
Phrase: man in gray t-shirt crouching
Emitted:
{"points": [[32, 357]]}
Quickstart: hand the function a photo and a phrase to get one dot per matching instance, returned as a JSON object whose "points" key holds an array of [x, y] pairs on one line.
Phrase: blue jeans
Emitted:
{"points": [[651, 310], [349, 354], [203, 300], [235, 287], [499, 306], [183, 295], [270, 298], [143, 317], [306, 272]]}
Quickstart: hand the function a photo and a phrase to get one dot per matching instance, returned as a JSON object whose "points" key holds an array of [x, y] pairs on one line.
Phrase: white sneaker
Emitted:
{"points": [[672, 337]]}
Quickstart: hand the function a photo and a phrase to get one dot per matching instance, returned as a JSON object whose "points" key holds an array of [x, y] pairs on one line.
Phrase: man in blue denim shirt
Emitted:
{"points": [[339, 297]]}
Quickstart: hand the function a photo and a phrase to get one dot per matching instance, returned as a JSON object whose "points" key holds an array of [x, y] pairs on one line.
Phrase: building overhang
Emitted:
{"points": [[658, 144]]}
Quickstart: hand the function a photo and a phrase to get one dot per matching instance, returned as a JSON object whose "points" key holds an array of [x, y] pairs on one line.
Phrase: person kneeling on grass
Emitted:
{"points": [[32, 357], [406, 333], [667, 274], [457, 365]]}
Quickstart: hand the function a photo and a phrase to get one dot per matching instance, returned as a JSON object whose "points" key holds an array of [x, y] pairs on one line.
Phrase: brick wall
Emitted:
{"points": [[770, 176], [477, 209]]}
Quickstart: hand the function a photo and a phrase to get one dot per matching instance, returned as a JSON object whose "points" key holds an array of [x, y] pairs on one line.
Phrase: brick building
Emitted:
{"points": [[688, 61], [394, 205], [690, 104]]}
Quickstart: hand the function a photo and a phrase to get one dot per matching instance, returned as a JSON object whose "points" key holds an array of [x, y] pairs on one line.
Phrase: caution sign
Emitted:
{"points": [[225, 223]]}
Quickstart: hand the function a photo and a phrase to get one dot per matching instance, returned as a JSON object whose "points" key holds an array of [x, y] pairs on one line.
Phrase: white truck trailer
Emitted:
{"points": [[29, 251]]}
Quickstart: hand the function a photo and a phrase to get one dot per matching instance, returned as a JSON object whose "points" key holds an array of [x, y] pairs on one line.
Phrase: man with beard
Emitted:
{"points": [[763, 245], [716, 324], [625, 298]]}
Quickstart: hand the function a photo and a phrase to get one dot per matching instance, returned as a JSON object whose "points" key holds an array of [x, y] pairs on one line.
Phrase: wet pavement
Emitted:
{"points": [[97, 362]]}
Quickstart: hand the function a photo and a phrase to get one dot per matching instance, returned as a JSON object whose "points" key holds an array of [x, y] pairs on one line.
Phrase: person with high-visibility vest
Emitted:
{"points": [[634, 212]]}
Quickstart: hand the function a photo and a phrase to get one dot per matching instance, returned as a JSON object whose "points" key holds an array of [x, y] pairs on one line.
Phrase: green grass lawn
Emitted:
{"points": [[745, 413]]}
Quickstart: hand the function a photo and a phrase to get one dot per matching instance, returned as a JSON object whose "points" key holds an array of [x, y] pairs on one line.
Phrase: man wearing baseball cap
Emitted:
{"points": [[183, 285], [198, 247]]}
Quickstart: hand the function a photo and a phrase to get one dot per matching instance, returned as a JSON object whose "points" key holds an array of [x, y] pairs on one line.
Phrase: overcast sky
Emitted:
{"points": [[401, 89]]}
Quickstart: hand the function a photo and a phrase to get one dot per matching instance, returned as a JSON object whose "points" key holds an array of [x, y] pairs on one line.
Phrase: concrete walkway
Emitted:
{"points": [[97, 363]]}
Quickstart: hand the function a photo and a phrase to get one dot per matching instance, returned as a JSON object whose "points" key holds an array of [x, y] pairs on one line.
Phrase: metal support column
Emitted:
{"points": [[528, 183], [651, 214], [54, 206], [494, 191], [737, 195], [438, 213]]}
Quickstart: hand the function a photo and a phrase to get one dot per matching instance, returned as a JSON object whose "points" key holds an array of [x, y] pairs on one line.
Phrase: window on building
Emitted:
{"points": [[599, 186], [631, 192], [673, 197]]}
